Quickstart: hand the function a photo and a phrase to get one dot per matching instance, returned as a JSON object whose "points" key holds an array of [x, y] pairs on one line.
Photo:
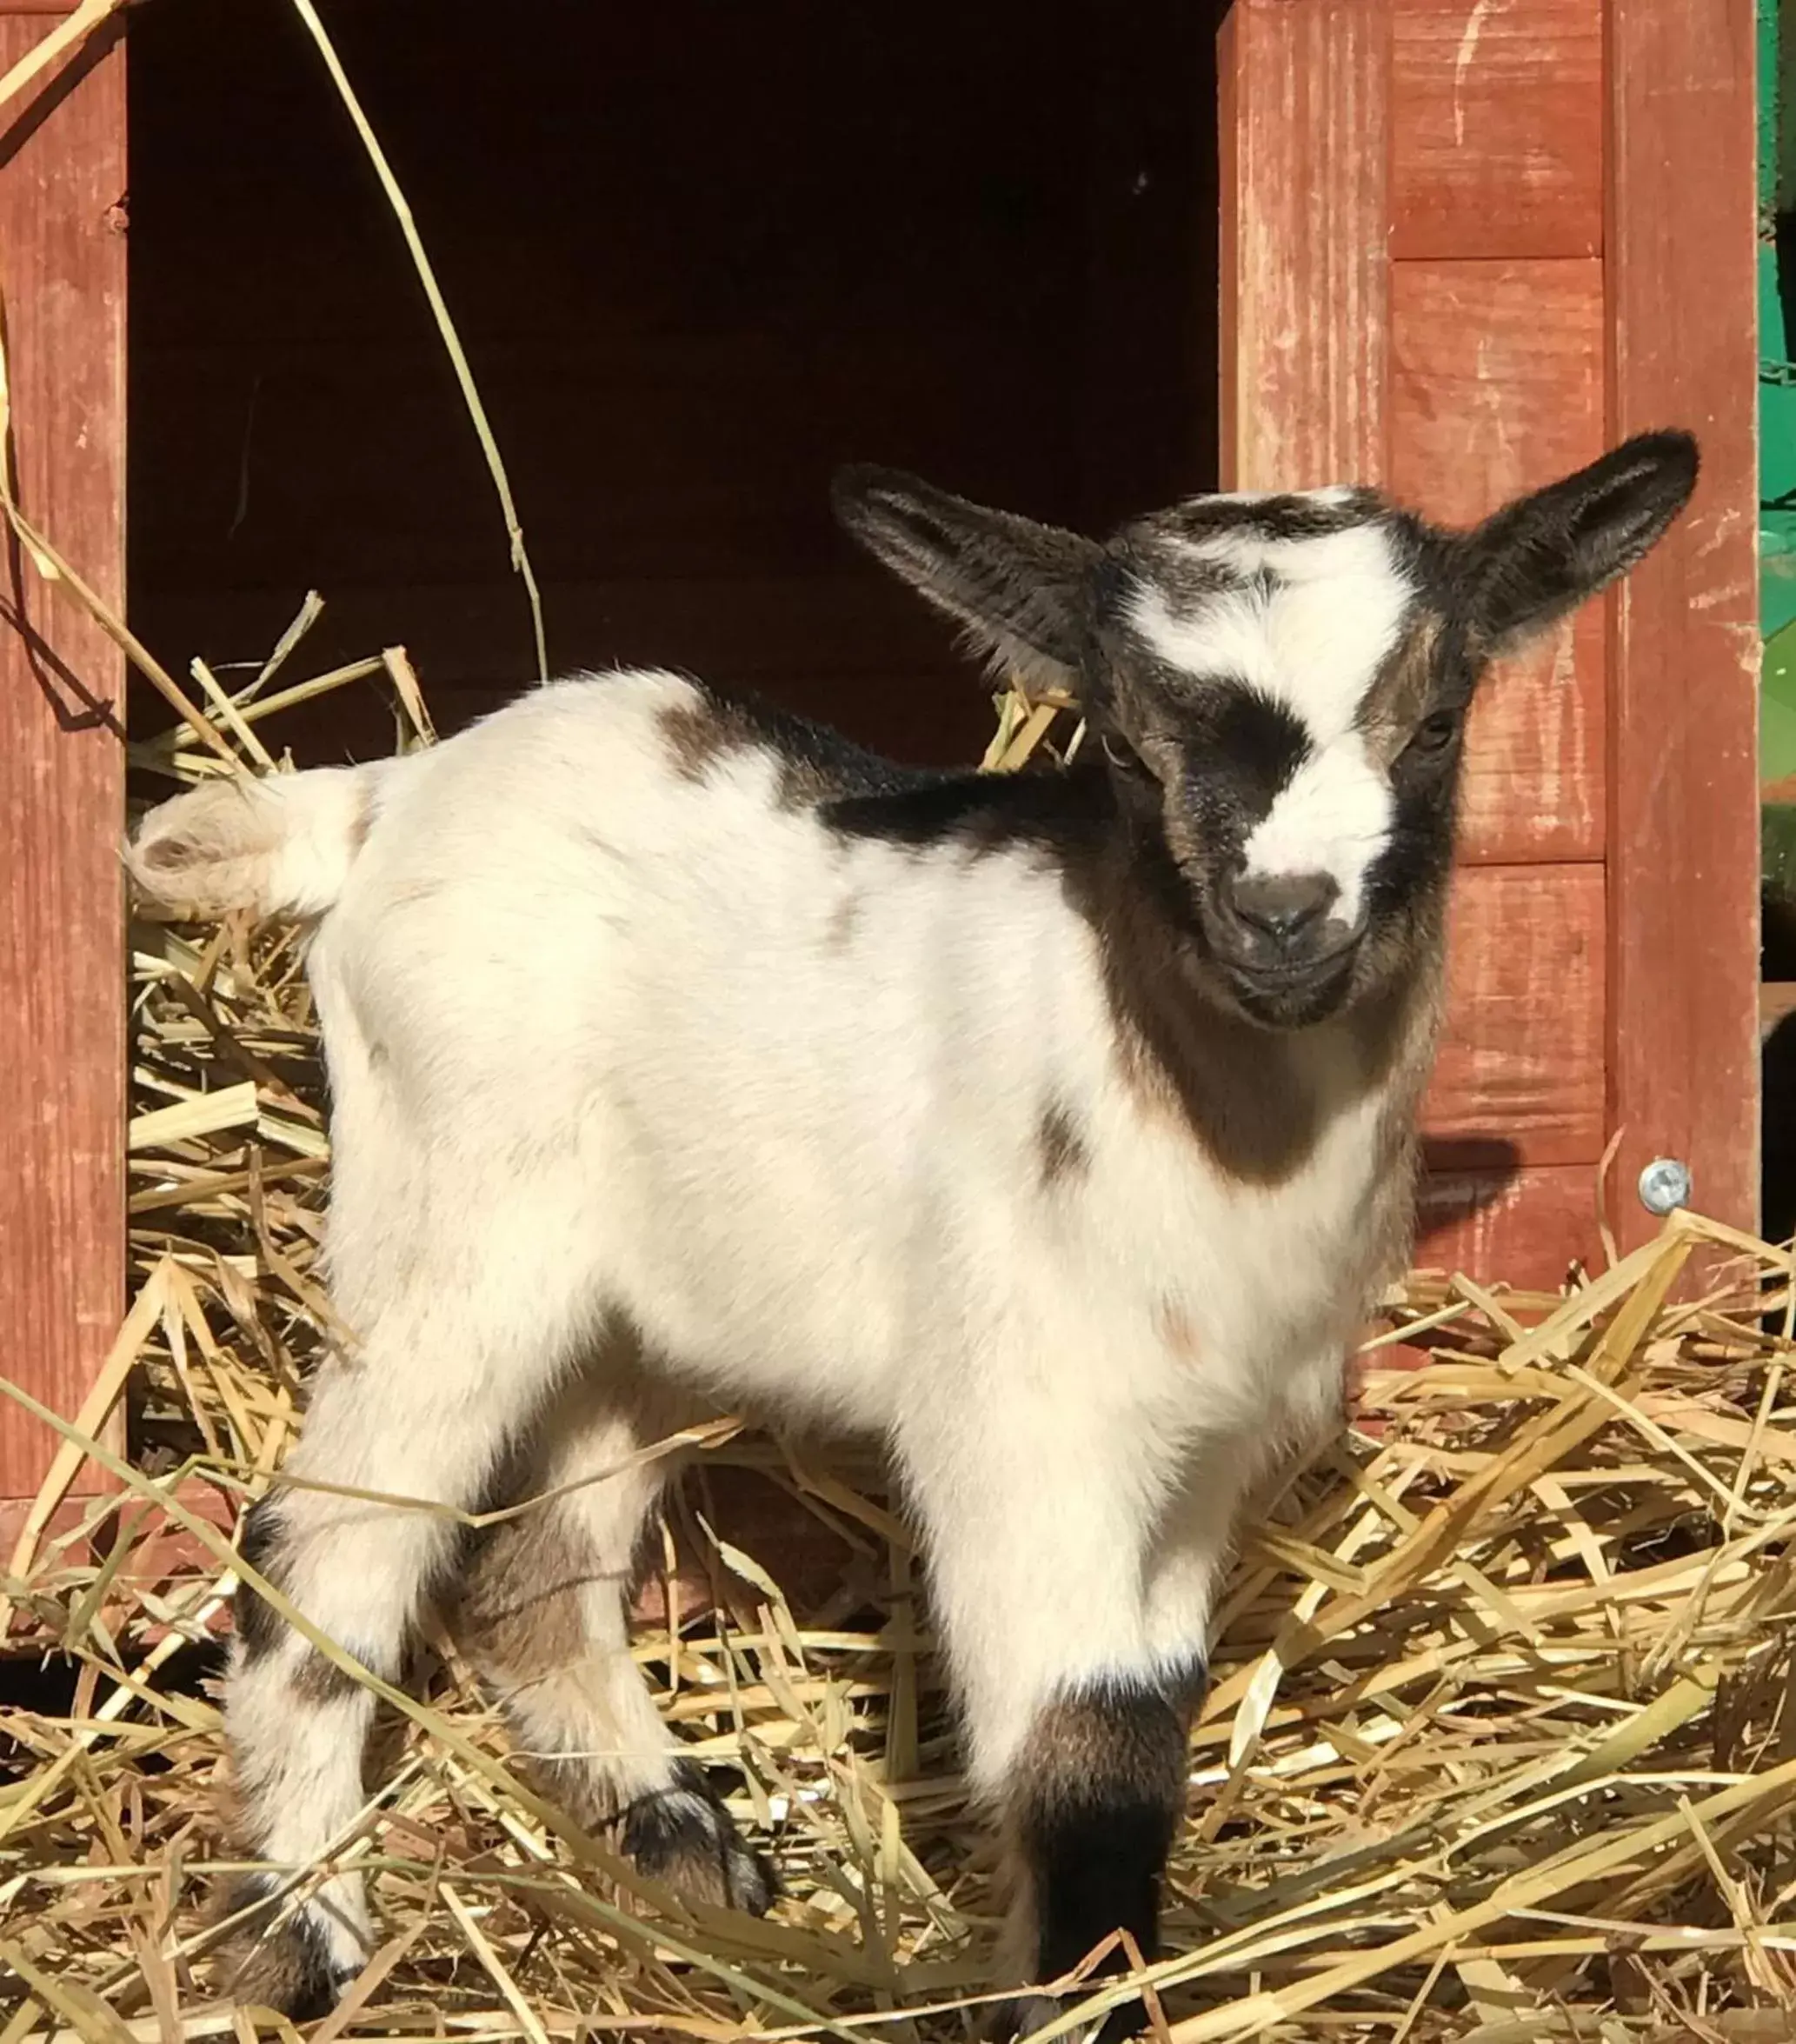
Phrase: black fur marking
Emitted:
{"points": [[286, 1966], [1096, 1847], [977, 812], [1265, 518], [682, 1834], [259, 1626], [1101, 1794], [1252, 747]]}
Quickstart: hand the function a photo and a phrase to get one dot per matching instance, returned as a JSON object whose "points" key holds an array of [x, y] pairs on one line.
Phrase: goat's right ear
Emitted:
{"points": [[1021, 589]]}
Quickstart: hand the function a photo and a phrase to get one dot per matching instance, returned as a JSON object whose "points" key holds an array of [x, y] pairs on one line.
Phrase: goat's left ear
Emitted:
{"points": [[1021, 589], [1544, 554]]}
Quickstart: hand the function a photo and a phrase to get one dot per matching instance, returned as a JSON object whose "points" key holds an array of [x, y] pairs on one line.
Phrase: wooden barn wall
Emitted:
{"points": [[61, 978], [1467, 248]]}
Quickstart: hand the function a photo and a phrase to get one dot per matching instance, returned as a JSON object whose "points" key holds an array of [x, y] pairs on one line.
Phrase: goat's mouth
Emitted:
{"points": [[1291, 993]]}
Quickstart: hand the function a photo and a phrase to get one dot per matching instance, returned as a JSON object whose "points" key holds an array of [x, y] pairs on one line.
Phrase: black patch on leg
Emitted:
{"points": [[682, 1834], [1100, 1795], [286, 1966], [259, 1626]]}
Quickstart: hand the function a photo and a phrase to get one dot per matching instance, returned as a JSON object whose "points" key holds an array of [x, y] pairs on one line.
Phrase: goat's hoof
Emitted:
{"points": [[287, 1967], [682, 1834]]}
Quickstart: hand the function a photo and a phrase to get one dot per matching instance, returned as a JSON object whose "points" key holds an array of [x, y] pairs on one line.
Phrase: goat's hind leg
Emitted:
{"points": [[544, 1618], [422, 1412]]}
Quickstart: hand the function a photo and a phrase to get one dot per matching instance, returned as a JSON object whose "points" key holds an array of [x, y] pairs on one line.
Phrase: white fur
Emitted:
{"points": [[1333, 817], [608, 1040], [1314, 641], [279, 846]]}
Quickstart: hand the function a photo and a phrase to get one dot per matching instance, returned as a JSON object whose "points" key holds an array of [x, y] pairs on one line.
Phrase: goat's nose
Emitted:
{"points": [[1282, 905]]}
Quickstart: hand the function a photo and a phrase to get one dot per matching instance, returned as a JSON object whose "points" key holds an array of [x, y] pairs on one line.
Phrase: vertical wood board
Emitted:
{"points": [[1304, 209], [1520, 1077], [62, 990], [1684, 813], [1496, 128], [1496, 388]]}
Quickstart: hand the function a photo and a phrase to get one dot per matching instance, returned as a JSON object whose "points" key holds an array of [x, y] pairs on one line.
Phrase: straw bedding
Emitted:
{"points": [[1501, 1745]]}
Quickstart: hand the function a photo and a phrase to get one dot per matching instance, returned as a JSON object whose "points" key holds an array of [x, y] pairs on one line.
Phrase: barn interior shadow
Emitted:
{"points": [[685, 305]]}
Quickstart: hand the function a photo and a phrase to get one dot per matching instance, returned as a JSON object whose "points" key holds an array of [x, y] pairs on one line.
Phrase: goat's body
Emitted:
{"points": [[785, 1099], [613, 1041], [654, 1061]]}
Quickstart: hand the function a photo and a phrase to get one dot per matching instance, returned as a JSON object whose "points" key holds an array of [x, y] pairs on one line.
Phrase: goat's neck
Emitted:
{"points": [[1261, 1100]]}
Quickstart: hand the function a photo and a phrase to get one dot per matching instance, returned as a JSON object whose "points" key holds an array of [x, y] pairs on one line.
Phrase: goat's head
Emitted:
{"points": [[1280, 684]]}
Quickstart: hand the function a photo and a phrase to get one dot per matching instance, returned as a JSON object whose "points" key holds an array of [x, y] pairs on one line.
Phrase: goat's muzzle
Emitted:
{"points": [[1286, 956]]}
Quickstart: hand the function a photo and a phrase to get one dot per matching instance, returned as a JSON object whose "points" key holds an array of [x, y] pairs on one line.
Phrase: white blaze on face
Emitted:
{"points": [[1311, 637]]}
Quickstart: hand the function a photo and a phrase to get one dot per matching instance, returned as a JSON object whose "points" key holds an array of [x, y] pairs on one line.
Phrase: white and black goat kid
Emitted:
{"points": [[1058, 1126]]}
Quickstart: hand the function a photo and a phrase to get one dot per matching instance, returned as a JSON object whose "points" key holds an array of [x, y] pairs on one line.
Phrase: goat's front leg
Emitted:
{"points": [[1038, 1530]]}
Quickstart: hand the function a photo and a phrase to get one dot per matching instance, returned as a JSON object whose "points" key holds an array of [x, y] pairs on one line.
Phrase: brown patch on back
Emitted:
{"points": [[698, 735], [708, 728], [1060, 1149]]}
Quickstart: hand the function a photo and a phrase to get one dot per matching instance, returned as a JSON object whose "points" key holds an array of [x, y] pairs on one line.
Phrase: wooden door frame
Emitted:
{"points": [[1304, 100], [1684, 856], [64, 1075]]}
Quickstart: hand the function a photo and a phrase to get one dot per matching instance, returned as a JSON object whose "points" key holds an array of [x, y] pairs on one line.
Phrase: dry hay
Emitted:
{"points": [[1499, 1748]]}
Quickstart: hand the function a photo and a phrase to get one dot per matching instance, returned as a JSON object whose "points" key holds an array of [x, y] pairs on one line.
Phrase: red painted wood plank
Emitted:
{"points": [[1536, 752], [1684, 834], [62, 1000], [1496, 380], [1496, 387], [1304, 211], [1496, 128], [1520, 1077], [1525, 1229]]}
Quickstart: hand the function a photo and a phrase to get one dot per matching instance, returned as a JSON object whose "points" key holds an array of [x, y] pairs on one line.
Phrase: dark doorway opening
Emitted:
{"points": [[699, 256]]}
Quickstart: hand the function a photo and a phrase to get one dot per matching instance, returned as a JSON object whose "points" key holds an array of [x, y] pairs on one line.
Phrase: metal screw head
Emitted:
{"points": [[1665, 1185]]}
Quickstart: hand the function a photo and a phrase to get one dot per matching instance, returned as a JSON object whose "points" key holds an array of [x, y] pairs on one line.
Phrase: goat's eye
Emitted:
{"points": [[1436, 731]]}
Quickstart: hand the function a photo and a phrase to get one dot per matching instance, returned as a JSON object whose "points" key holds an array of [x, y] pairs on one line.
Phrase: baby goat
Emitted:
{"points": [[1060, 1126]]}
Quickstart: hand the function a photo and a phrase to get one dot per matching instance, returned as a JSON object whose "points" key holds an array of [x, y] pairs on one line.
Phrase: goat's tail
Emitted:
{"points": [[283, 846]]}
